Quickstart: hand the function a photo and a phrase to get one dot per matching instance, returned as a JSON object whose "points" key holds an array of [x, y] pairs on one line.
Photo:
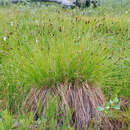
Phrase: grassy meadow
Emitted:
{"points": [[43, 46]]}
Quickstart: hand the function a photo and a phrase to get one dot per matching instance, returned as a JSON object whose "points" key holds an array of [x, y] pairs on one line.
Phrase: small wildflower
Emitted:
{"points": [[36, 41], [126, 12], [11, 23], [36, 21], [90, 11], [107, 107], [4, 38]]}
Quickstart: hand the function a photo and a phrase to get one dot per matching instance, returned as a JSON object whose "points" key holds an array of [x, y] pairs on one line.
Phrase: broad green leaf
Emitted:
{"points": [[100, 108], [116, 107]]}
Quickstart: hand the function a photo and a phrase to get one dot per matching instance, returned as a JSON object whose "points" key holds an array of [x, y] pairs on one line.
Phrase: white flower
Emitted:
{"points": [[11, 23], [36, 21], [4, 38], [107, 107], [126, 12], [111, 102], [90, 11], [36, 41]]}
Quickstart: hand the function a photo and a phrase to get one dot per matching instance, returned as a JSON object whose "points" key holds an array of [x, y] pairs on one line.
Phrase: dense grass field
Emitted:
{"points": [[43, 46]]}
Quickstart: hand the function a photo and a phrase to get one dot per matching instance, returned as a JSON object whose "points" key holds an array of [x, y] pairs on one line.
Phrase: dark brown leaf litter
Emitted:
{"points": [[124, 103], [82, 98]]}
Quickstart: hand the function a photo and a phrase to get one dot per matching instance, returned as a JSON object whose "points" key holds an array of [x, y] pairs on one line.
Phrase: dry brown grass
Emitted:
{"points": [[82, 98]]}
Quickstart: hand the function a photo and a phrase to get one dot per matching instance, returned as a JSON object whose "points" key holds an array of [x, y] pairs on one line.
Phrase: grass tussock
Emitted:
{"points": [[81, 98]]}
